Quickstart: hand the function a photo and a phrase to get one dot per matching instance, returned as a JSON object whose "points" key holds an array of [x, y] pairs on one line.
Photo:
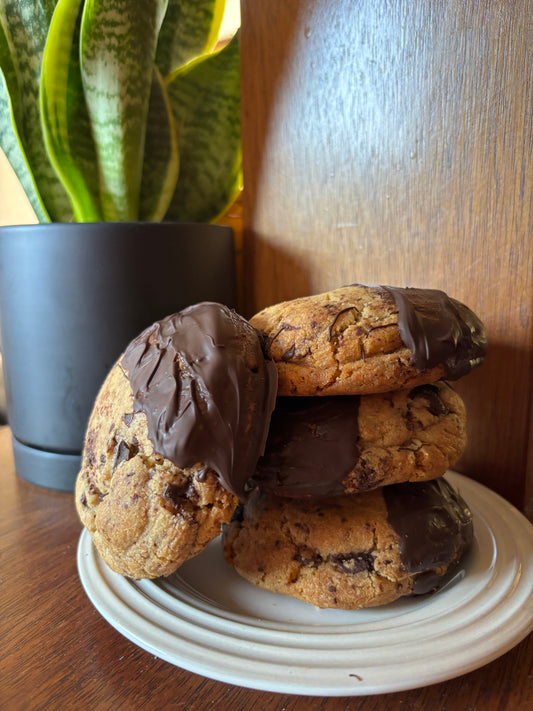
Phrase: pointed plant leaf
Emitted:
{"points": [[10, 140], [66, 125], [9, 72], [117, 46], [15, 155], [189, 29], [25, 24], [205, 100], [160, 168]]}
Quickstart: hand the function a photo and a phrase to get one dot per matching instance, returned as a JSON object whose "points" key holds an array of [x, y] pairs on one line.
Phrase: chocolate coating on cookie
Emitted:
{"points": [[201, 379], [434, 525], [312, 445], [439, 330]]}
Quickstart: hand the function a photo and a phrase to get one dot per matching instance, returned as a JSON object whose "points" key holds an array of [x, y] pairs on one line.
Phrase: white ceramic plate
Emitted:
{"points": [[207, 619]]}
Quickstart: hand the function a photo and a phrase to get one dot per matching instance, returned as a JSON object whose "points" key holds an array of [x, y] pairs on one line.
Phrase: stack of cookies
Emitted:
{"points": [[315, 436], [350, 508]]}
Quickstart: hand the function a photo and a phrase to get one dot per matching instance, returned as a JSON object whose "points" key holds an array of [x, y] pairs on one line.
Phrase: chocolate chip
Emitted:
{"points": [[352, 563], [90, 449], [176, 495], [430, 393], [125, 452], [367, 477]]}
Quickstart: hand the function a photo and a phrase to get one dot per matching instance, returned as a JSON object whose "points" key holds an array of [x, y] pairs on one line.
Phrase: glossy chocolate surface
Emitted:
{"points": [[207, 391], [439, 330], [434, 525], [312, 445]]}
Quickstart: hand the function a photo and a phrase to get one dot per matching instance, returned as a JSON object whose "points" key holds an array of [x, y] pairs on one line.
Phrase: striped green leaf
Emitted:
{"points": [[188, 30], [25, 25], [118, 45], [11, 143], [205, 100], [161, 163], [66, 125]]}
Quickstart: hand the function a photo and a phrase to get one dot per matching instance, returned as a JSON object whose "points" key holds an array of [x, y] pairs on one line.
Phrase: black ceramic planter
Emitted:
{"points": [[71, 297]]}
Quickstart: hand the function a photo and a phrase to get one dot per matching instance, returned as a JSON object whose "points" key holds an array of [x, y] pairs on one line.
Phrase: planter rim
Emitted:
{"points": [[114, 225], [51, 470]]}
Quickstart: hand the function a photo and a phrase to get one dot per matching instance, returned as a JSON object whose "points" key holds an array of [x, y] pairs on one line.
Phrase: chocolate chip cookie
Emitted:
{"points": [[366, 339], [328, 446], [351, 552], [173, 439]]}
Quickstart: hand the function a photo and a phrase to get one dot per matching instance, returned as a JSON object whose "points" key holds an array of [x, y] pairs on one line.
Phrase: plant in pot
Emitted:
{"points": [[122, 123]]}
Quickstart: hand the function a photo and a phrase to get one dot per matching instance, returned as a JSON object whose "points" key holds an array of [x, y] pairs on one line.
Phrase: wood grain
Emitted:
{"points": [[392, 143], [58, 653]]}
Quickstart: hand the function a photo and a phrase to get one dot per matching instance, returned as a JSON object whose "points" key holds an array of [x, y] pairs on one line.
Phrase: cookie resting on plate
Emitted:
{"points": [[173, 438], [366, 339], [351, 552]]}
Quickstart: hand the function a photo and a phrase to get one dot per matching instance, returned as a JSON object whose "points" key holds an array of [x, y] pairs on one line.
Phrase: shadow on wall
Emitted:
{"points": [[263, 254]]}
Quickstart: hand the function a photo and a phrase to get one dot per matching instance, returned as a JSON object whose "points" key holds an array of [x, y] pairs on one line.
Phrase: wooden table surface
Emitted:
{"points": [[57, 652]]}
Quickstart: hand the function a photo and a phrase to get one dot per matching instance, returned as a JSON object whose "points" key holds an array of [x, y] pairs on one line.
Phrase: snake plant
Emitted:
{"points": [[112, 110]]}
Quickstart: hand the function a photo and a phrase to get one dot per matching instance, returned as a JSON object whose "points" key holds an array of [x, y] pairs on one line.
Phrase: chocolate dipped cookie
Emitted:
{"points": [[173, 439], [369, 339], [330, 446], [351, 552]]}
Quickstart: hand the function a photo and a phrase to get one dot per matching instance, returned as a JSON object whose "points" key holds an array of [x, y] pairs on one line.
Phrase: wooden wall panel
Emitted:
{"points": [[390, 141]]}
